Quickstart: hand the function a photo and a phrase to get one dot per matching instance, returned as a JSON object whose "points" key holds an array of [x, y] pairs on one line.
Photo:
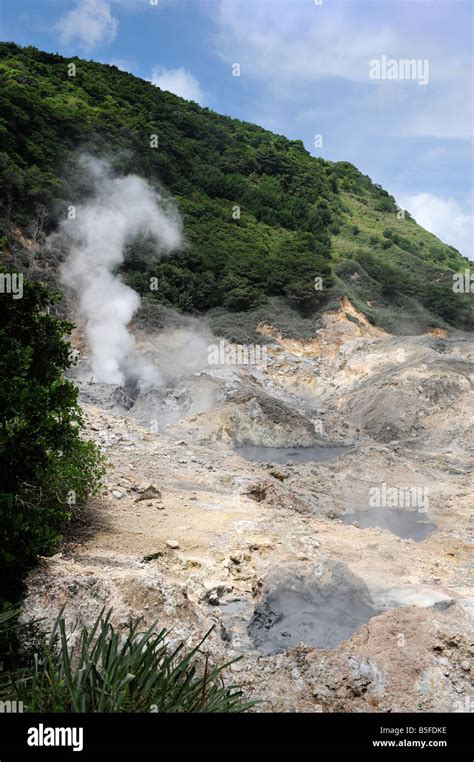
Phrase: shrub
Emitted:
{"points": [[109, 672], [45, 466], [8, 641], [243, 299]]}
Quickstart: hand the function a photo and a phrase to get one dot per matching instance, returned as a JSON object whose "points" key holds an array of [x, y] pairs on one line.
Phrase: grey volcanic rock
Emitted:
{"points": [[260, 551]]}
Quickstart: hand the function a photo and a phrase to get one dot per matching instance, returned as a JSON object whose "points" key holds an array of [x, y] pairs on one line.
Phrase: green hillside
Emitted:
{"points": [[301, 217]]}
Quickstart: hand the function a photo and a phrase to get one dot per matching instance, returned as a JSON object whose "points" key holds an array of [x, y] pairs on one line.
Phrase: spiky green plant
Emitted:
{"points": [[7, 617], [9, 629], [106, 671]]}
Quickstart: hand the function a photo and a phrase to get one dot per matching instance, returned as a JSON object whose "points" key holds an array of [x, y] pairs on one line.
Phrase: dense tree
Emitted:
{"points": [[45, 467], [249, 198]]}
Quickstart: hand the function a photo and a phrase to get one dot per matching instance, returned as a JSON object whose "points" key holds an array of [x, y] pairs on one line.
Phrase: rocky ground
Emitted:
{"points": [[190, 534]]}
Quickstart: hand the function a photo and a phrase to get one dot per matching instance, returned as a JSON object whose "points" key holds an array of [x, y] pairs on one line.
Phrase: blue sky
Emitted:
{"points": [[304, 71]]}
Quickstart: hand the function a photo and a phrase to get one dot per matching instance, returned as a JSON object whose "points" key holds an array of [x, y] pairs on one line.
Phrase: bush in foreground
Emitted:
{"points": [[107, 671]]}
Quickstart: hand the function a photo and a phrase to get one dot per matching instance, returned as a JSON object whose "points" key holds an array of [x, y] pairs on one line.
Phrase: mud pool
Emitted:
{"points": [[316, 610], [285, 455], [411, 525]]}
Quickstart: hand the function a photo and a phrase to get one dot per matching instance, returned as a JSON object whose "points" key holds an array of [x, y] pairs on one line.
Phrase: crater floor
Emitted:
{"points": [[247, 545]]}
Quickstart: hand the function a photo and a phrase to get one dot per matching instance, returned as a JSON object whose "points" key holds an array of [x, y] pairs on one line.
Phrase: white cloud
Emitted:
{"points": [[298, 40], [450, 220], [293, 49], [88, 24], [178, 81]]}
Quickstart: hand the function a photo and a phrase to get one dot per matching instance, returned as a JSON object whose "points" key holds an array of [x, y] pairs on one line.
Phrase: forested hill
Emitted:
{"points": [[301, 217]]}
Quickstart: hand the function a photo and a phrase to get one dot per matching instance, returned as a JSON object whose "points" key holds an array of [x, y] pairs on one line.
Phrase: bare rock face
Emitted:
{"points": [[330, 612]]}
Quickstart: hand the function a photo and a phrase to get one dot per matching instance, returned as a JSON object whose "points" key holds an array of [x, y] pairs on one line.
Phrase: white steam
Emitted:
{"points": [[119, 209]]}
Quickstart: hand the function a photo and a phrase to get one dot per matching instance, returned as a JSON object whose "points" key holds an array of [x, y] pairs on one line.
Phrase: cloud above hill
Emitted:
{"points": [[447, 218], [178, 81], [88, 24]]}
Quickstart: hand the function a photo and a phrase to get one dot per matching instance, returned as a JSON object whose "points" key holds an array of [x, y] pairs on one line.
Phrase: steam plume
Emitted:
{"points": [[119, 209]]}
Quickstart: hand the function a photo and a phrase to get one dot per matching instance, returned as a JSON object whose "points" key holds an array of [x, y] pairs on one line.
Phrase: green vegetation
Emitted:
{"points": [[400, 276], [46, 469], [107, 671], [263, 218], [8, 639]]}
